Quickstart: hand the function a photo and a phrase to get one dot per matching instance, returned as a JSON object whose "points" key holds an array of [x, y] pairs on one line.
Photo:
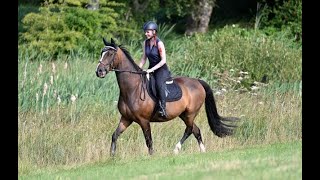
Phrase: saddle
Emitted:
{"points": [[172, 89]]}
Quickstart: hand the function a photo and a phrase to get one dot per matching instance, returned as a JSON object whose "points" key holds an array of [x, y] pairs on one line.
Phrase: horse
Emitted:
{"points": [[135, 105]]}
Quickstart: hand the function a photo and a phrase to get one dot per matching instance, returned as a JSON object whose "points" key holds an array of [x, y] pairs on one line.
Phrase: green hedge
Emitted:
{"points": [[62, 29]]}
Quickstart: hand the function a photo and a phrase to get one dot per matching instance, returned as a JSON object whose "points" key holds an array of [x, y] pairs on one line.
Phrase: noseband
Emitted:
{"points": [[105, 49]]}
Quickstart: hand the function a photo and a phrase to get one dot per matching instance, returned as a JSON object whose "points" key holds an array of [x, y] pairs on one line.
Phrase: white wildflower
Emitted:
{"points": [[51, 79], [55, 93], [53, 68], [65, 65], [256, 83], [242, 72], [73, 98], [45, 88], [39, 69], [254, 88], [59, 99]]}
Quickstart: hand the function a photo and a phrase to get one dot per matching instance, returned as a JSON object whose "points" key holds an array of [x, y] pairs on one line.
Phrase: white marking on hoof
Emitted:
{"points": [[202, 148], [178, 148]]}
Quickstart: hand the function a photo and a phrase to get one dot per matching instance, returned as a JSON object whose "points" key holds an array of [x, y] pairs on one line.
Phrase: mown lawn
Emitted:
{"points": [[275, 161]]}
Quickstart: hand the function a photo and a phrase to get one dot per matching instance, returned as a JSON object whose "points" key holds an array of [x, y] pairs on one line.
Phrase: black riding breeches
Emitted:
{"points": [[161, 75]]}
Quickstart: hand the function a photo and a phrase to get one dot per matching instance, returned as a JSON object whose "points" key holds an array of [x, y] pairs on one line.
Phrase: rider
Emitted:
{"points": [[154, 50]]}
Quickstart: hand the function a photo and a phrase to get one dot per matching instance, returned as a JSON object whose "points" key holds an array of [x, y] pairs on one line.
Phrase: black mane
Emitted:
{"points": [[126, 52]]}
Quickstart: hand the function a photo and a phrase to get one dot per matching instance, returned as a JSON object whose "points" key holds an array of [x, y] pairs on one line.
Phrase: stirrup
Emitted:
{"points": [[162, 110], [163, 113]]}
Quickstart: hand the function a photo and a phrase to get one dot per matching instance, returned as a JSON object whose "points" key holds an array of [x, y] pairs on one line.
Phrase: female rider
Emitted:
{"points": [[154, 50]]}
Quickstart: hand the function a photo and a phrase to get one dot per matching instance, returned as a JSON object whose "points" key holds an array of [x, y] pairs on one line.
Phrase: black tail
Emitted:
{"points": [[215, 121]]}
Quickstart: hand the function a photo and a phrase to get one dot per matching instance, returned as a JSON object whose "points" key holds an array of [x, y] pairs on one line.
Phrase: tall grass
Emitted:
{"points": [[66, 114], [81, 132], [236, 49]]}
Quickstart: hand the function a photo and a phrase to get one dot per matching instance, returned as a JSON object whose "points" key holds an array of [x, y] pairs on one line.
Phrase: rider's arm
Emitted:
{"points": [[144, 57]]}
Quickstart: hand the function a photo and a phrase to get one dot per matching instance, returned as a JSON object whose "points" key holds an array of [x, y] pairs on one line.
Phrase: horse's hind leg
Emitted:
{"points": [[188, 120], [197, 134], [186, 134], [123, 124]]}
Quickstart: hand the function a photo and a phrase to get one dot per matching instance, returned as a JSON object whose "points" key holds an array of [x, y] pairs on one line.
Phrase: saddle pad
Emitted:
{"points": [[173, 90]]}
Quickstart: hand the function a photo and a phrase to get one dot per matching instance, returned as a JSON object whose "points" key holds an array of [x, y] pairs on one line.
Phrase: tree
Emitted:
{"points": [[199, 18], [197, 12], [140, 6]]}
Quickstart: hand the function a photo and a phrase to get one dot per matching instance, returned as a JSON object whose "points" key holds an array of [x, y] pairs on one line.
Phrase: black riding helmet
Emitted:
{"points": [[150, 25]]}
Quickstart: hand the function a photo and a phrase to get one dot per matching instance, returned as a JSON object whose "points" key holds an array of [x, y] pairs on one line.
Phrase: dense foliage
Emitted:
{"points": [[69, 26], [63, 28], [281, 15]]}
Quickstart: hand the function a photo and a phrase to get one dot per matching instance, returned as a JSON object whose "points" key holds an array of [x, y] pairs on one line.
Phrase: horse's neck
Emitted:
{"points": [[127, 81]]}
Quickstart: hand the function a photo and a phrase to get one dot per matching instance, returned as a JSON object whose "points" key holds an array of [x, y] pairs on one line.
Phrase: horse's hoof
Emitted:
{"points": [[112, 153], [150, 152], [202, 148], [177, 149]]}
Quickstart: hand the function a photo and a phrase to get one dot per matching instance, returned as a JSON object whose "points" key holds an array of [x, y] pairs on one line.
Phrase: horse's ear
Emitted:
{"points": [[113, 43], [105, 42]]}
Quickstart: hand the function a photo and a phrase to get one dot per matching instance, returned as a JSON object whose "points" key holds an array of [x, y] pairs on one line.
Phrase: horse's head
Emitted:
{"points": [[108, 55]]}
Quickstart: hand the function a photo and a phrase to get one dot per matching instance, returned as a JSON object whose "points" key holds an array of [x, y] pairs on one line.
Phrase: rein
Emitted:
{"points": [[134, 72], [118, 70], [141, 73], [143, 89]]}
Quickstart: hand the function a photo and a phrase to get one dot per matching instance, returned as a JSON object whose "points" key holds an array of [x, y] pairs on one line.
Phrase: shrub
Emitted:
{"points": [[64, 28], [282, 16]]}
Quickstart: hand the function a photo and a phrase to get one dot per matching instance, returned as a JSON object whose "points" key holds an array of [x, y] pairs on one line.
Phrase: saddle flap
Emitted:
{"points": [[173, 90]]}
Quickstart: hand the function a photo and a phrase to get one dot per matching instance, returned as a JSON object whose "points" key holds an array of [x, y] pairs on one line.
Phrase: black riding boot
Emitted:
{"points": [[162, 110]]}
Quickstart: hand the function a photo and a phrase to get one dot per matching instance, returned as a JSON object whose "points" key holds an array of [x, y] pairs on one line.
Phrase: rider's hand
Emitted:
{"points": [[149, 71]]}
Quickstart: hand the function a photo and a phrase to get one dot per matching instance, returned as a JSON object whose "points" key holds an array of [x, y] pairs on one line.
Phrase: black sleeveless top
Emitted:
{"points": [[152, 53]]}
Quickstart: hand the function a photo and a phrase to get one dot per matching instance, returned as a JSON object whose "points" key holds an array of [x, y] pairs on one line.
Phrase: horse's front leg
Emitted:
{"points": [[123, 124], [145, 126]]}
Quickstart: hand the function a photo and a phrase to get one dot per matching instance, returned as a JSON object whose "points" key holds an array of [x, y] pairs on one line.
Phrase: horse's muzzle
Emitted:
{"points": [[101, 72]]}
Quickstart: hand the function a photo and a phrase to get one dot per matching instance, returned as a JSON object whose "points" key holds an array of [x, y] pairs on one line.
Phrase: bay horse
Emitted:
{"points": [[135, 105]]}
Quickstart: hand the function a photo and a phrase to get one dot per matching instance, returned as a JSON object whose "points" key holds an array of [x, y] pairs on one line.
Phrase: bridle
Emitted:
{"points": [[105, 49]]}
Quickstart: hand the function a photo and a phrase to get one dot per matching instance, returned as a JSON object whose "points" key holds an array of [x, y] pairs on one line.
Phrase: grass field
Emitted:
{"points": [[273, 161], [66, 115]]}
